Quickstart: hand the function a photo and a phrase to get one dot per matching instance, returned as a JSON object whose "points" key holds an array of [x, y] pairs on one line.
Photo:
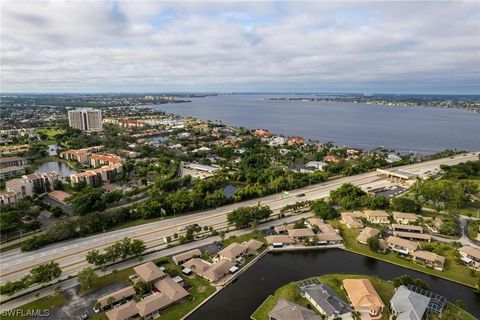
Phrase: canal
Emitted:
{"points": [[240, 299]]}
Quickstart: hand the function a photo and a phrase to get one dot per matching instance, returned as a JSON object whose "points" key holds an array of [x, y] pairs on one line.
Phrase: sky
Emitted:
{"points": [[248, 46]]}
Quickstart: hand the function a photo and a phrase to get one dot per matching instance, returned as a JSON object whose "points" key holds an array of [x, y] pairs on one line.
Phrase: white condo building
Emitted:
{"points": [[85, 119]]}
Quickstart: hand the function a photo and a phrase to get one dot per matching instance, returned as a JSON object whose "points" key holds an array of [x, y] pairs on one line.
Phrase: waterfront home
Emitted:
{"points": [[282, 229], [363, 297], [232, 251], [329, 238], [252, 246], [198, 266], [182, 257], [114, 297], [218, 270], [413, 236], [366, 234], [402, 246], [148, 273], [327, 302], [408, 305], [320, 224], [471, 256], [278, 241], [407, 228], [299, 235], [377, 216], [75, 155], [125, 311], [97, 160], [429, 259], [351, 219], [404, 218], [287, 310]]}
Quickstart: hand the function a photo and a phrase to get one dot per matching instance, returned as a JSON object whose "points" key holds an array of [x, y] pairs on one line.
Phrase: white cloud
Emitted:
{"points": [[161, 46]]}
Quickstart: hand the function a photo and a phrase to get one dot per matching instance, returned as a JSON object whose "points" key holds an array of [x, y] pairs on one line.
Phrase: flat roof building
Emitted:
{"points": [[85, 119]]}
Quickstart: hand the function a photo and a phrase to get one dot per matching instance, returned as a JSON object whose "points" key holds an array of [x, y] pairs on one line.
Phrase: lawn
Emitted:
{"points": [[452, 271], [114, 277], [452, 312], [258, 235], [5, 248], [51, 133], [45, 303], [384, 288]]}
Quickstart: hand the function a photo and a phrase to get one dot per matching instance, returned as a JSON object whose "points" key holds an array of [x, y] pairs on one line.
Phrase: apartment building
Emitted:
{"points": [[32, 184], [85, 119]]}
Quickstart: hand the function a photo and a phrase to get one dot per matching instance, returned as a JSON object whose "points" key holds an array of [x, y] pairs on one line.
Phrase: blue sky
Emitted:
{"points": [[314, 46]]}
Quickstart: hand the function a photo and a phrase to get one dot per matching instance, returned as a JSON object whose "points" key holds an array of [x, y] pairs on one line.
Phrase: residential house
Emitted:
{"points": [[327, 302], [148, 272], [366, 234], [402, 246], [196, 265], [232, 251], [351, 220], [332, 158], [218, 270], [114, 297], [404, 218], [295, 140], [429, 259], [252, 246], [407, 228], [413, 236], [329, 238], [287, 310], [125, 311], [299, 235], [282, 229], [185, 256], [318, 165], [408, 305], [377, 216], [471, 256], [363, 297], [279, 241]]}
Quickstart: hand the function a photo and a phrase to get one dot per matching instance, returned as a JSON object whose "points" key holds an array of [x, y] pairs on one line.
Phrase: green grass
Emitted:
{"points": [[51, 133], [120, 276], [45, 303], [452, 312], [257, 235], [4, 248], [384, 288], [453, 270]]}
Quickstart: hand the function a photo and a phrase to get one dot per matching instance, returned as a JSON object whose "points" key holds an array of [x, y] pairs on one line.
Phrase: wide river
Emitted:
{"points": [[418, 129], [240, 299]]}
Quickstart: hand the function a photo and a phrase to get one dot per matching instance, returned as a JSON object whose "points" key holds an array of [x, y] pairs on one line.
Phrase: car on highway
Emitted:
{"points": [[300, 195]]}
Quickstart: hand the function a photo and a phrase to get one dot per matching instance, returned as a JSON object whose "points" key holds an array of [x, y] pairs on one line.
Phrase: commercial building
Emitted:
{"points": [[85, 119], [363, 297]]}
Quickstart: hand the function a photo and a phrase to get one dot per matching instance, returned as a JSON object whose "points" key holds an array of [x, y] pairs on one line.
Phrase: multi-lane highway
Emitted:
{"points": [[71, 254]]}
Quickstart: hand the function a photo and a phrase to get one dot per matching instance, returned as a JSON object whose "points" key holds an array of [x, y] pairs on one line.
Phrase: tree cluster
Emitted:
{"points": [[119, 250]]}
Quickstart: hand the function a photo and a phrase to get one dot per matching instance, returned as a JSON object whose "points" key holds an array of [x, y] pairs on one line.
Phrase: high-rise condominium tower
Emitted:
{"points": [[85, 119]]}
